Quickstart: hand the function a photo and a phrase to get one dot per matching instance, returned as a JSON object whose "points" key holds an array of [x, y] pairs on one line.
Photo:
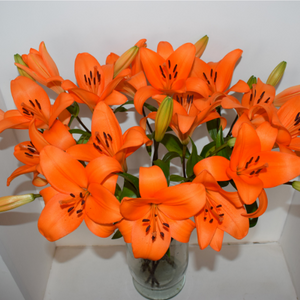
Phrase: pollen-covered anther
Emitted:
{"points": [[166, 225], [70, 209], [154, 233], [72, 195], [145, 220], [162, 234], [261, 96], [148, 228], [79, 211]]}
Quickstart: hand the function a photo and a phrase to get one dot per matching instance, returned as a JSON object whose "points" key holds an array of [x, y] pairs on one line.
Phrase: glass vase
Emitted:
{"points": [[161, 279]]}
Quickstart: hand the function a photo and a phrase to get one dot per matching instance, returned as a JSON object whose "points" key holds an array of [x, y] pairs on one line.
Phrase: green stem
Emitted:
{"points": [[219, 149], [230, 130], [183, 160], [80, 122], [155, 155]]}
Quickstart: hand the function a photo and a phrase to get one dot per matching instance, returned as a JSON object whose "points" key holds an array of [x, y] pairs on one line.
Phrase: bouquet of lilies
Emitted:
{"points": [[79, 169]]}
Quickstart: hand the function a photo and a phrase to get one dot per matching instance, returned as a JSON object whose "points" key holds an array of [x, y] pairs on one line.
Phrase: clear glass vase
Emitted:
{"points": [[161, 279]]}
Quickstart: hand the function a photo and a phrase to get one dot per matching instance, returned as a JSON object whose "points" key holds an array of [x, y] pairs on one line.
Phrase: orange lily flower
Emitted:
{"points": [[80, 194], [166, 71], [223, 211], [252, 165], [29, 152], [42, 68], [32, 102], [107, 138], [289, 116], [213, 79], [96, 82], [162, 212]]}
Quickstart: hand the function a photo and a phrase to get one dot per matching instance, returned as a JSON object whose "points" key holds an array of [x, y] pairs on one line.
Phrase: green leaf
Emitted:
{"points": [[250, 209], [134, 181], [225, 152], [178, 178], [127, 192], [118, 192], [83, 139], [193, 159], [121, 108], [117, 235], [172, 143], [150, 107], [212, 128], [165, 168], [208, 149], [169, 156]]}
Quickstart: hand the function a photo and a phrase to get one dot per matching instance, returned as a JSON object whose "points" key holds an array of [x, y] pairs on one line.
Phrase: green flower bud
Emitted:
{"points": [[252, 80], [125, 60], [163, 118], [11, 202], [276, 74], [231, 142], [296, 185], [201, 45], [19, 60]]}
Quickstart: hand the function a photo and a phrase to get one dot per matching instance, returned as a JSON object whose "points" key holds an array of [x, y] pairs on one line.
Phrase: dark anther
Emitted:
{"points": [[267, 100], [166, 224], [31, 150], [105, 136], [258, 157], [79, 211], [72, 195], [297, 122], [109, 136], [98, 140], [153, 237], [250, 160], [89, 81], [31, 102], [206, 210], [175, 68], [170, 77], [94, 81], [258, 171], [204, 218], [32, 113], [221, 215], [251, 96], [162, 234], [215, 77], [81, 195], [211, 220], [211, 72], [155, 215], [98, 76], [85, 78], [162, 72], [97, 147], [106, 142], [91, 74], [175, 74], [205, 76], [252, 172], [145, 220], [169, 64], [296, 119], [82, 202], [211, 207], [261, 96], [38, 104], [220, 205], [28, 154], [71, 208], [254, 93], [148, 228]]}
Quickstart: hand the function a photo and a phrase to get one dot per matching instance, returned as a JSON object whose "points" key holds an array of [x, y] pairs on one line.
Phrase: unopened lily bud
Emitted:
{"points": [[163, 118], [276, 74], [11, 202], [125, 60], [19, 60], [201, 45], [231, 142], [296, 185], [252, 80]]}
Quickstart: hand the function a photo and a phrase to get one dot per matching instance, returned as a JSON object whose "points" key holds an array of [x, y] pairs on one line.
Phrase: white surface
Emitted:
{"points": [[246, 272], [290, 242]]}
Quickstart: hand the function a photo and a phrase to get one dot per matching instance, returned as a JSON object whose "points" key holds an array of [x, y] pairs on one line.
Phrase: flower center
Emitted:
{"points": [[104, 144], [34, 109], [76, 203], [93, 80], [169, 73], [252, 167]]}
